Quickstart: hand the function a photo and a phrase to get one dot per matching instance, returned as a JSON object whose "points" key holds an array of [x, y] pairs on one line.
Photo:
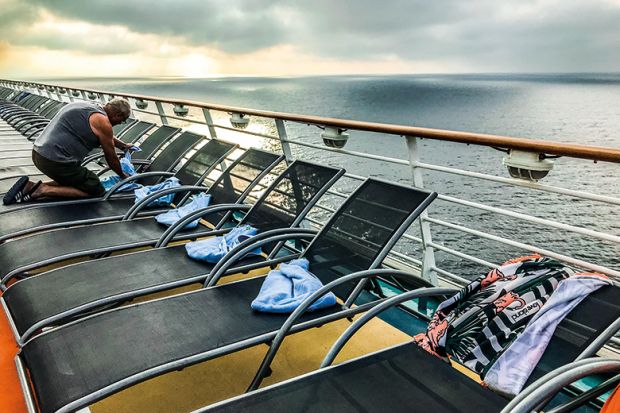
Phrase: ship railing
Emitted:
{"points": [[167, 110]]}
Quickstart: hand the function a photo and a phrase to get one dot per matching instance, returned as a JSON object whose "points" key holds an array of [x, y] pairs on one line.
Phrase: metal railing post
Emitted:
{"points": [[428, 255], [207, 114], [162, 114], [286, 148]]}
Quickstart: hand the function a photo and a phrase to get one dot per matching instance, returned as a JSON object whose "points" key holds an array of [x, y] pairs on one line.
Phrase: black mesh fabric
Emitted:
{"points": [[54, 244], [368, 219], [32, 299], [153, 142], [294, 190], [578, 329], [22, 219], [403, 379], [172, 154], [77, 359], [136, 131], [238, 177], [116, 129], [53, 292], [200, 162]]}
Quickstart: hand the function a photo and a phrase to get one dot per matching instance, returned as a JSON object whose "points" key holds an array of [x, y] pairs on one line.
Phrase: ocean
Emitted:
{"points": [[576, 108]]}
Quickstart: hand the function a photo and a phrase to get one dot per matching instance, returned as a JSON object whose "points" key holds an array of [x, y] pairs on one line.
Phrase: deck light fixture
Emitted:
{"points": [[75, 93], [41, 87], [62, 90], [180, 110], [334, 137], [91, 96], [238, 120], [527, 165], [141, 104]]}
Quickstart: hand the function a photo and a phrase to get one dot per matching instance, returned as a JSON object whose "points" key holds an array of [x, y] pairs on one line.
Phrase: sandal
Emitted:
{"points": [[19, 193], [16, 192]]}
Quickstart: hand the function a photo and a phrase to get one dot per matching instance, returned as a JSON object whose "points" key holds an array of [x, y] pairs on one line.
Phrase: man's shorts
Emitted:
{"points": [[69, 174]]}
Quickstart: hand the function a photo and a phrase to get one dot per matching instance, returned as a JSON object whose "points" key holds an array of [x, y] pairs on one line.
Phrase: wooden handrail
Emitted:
{"points": [[595, 153]]}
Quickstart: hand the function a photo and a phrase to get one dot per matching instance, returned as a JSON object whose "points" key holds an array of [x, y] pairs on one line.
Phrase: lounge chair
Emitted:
{"points": [[233, 186], [81, 362], [167, 159], [406, 378], [49, 216], [55, 296], [30, 124]]}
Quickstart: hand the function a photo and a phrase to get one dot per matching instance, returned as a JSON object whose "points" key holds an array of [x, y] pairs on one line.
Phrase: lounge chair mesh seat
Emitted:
{"points": [[53, 246], [114, 208], [402, 379], [63, 289], [113, 349]]}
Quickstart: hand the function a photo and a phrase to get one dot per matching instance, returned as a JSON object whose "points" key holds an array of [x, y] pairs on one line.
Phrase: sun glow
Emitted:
{"points": [[194, 65]]}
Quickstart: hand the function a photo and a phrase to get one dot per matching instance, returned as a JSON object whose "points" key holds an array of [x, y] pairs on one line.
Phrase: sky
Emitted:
{"points": [[202, 38]]}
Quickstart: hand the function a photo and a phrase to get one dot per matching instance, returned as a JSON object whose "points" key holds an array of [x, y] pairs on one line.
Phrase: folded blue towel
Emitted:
{"points": [[165, 200], [213, 249], [197, 202], [128, 169], [285, 288]]}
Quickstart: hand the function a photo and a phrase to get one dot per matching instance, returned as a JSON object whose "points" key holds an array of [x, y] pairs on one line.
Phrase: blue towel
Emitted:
{"points": [[128, 169], [165, 200], [285, 288], [197, 202], [213, 249]]}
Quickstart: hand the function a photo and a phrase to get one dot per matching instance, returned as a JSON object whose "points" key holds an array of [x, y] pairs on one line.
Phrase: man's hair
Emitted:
{"points": [[121, 106]]}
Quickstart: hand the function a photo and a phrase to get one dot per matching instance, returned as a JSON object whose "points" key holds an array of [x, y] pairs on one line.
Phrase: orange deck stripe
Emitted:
{"points": [[11, 400]]}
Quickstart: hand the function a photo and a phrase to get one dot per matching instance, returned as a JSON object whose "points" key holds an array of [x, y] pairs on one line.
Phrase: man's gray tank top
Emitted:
{"points": [[68, 137]]}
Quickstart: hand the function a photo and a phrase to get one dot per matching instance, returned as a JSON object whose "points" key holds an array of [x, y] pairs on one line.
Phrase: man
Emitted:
{"points": [[59, 151]]}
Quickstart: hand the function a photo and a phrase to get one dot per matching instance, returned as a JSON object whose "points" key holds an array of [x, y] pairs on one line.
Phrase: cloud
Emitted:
{"points": [[361, 35]]}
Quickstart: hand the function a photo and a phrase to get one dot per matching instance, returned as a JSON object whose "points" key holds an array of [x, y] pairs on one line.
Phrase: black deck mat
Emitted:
{"points": [[403, 379], [50, 293], [81, 358]]}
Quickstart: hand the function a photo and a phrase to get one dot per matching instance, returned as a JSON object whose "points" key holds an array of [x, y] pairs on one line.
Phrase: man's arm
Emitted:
{"points": [[120, 144], [102, 128]]}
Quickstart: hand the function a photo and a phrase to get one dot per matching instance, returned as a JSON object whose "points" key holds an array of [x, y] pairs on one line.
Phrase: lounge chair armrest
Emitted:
{"points": [[95, 157], [24, 122], [136, 208], [11, 111], [378, 309], [141, 162], [299, 311], [238, 252], [172, 231], [19, 117], [29, 124], [133, 178], [551, 383]]}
